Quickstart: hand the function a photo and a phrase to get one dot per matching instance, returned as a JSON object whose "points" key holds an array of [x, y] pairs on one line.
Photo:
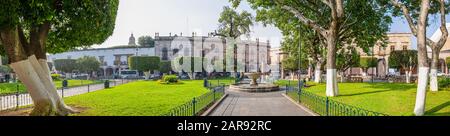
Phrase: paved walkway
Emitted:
{"points": [[12, 101], [257, 104]]}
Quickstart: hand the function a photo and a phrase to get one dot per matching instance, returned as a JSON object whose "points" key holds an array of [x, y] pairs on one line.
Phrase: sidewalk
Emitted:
{"points": [[258, 104], [13, 101]]}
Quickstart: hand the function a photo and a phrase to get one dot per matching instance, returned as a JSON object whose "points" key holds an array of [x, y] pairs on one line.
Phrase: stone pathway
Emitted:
{"points": [[12, 101], [258, 104]]}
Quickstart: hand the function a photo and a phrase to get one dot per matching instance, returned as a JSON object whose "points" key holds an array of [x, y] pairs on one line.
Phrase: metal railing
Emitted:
{"points": [[324, 106], [197, 105], [22, 98]]}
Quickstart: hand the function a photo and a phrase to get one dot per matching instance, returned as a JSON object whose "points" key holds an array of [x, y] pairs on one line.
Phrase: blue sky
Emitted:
{"points": [[145, 17]]}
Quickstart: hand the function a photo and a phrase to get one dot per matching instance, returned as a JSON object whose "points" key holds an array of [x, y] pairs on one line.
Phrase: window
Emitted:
{"points": [[175, 51], [405, 47], [392, 48], [164, 54]]}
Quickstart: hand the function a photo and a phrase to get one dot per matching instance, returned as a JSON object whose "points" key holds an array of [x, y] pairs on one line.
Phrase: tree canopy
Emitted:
{"points": [[146, 41], [65, 65], [368, 62], [144, 63], [403, 59], [233, 24], [88, 64]]}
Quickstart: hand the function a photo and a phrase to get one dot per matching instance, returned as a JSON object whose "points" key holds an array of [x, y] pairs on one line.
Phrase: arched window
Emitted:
{"points": [[175, 51], [164, 54]]}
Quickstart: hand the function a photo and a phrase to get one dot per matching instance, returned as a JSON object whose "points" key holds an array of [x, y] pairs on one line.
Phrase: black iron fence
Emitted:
{"points": [[22, 98], [324, 106], [198, 104]]}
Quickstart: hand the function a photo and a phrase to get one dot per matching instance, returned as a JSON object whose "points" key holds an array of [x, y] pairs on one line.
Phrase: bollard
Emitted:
{"points": [[62, 92], [88, 88]]}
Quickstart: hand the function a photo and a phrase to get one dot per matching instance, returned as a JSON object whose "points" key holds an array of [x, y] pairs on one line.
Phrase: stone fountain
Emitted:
{"points": [[254, 86]]}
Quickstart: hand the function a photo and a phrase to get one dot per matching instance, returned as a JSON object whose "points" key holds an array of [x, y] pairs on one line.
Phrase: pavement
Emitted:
{"points": [[258, 104], [12, 101]]}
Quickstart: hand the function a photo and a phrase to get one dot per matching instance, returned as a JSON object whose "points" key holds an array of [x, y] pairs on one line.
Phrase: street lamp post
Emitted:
{"points": [[299, 63]]}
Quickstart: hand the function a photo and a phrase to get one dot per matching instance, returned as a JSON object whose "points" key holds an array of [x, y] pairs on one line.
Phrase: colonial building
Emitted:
{"points": [[112, 59], [115, 58], [395, 41]]}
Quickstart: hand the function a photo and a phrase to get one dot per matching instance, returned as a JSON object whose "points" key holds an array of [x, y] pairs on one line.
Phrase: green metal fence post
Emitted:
{"points": [[193, 106], [214, 94], [17, 97], [327, 103]]}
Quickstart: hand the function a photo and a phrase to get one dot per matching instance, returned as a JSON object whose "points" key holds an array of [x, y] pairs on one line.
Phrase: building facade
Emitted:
{"points": [[114, 59]]}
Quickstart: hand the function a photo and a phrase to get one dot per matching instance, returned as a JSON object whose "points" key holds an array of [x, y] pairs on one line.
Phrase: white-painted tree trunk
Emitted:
{"points": [[342, 76], [146, 74], [332, 88], [35, 76], [317, 74], [408, 76], [292, 75], [421, 91], [433, 80]]}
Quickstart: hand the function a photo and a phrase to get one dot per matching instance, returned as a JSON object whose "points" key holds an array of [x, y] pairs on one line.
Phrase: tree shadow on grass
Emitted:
{"points": [[383, 87], [432, 111]]}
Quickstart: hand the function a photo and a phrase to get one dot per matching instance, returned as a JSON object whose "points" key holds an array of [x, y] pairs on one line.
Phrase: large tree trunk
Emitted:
{"points": [[34, 74], [318, 72], [424, 67], [408, 76], [332, 88], [342, 76], [433, 70]]}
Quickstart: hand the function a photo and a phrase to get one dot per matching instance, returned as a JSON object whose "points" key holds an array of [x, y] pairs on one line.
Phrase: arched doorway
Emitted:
{"points": [[164, 54], [381, 68]]}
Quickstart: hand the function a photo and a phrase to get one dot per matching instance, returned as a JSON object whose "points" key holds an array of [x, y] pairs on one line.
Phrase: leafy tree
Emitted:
{"points": [[146, 41], [30, 29], [406, 60], [359, 22], [5, 69], [88, 64], [165, 67], [367, 62], [234, 24], [416, 13], [65, 65], [291, 64], [417, 16], [144, 63], [346, 58]]}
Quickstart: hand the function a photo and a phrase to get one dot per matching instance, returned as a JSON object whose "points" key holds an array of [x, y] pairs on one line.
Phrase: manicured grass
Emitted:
{"points": [[11, 88], [388, 98], [222, 81], [140, 98]]}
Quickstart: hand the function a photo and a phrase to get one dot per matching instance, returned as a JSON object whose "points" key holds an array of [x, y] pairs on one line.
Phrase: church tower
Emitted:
{"points": [[132, 40]]}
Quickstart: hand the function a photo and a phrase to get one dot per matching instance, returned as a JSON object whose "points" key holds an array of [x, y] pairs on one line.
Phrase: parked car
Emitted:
{"points": [[129, 74]]}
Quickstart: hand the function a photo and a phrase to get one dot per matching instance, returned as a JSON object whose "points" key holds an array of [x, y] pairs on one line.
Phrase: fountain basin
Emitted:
{"points": [[261, 87]]}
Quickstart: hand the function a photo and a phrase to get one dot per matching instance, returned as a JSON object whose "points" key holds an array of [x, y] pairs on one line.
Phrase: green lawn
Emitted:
{"points": [[388, 98], [140, 98], [11, 88], [222, 81]]}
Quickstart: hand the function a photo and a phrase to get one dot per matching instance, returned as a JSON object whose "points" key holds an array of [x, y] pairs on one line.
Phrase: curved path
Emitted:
{"points": [[257, 104]]}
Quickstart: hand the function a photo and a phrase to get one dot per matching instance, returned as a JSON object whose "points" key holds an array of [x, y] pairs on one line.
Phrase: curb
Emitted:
{"points": [[301, 106], [214, 106]]}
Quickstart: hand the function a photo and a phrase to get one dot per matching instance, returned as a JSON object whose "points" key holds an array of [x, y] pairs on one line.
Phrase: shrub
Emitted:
{"points": [[56, 77], [444, 82], [170, 79]]}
